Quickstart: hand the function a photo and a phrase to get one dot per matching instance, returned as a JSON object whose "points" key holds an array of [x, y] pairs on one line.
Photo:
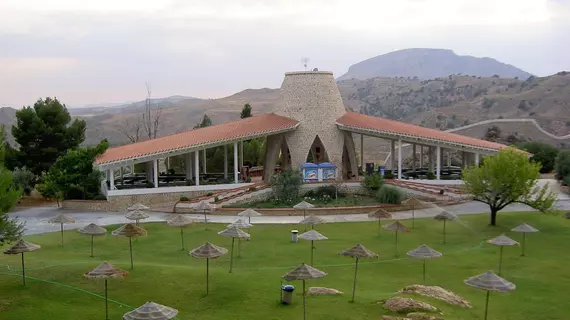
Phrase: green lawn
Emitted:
{"points": [[165, 274], [344, 201]]}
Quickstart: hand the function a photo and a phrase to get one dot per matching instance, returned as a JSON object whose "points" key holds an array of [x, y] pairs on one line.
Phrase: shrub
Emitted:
{"points": [[390, 195], [562, 166], [325, 191], [252, 189], [75, 193], [488, 103], [216, 199], [23, 179], [183, 198], [388, 175], [373, 183], [542, 153], [189, 182], [209, 194], [248, 180], [286, 185], [430, 175], [100, 197]]}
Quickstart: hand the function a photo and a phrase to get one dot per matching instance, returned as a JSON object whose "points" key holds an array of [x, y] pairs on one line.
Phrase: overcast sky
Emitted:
{"points": [[85, 51]]}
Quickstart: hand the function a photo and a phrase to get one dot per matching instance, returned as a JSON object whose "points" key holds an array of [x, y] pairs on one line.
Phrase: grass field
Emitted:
{"points": [[163, 273]]}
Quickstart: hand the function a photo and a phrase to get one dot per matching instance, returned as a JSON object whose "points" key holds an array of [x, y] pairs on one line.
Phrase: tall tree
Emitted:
{"points": [[206, 122], [506, 178], [44, 132], [246, 111]]}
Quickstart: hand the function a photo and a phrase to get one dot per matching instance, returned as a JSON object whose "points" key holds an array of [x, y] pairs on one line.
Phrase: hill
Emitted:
{"points": [[430, 64]]}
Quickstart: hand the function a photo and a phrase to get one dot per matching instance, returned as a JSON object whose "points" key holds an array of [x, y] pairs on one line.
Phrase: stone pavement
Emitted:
{"points": [[36, 218]]}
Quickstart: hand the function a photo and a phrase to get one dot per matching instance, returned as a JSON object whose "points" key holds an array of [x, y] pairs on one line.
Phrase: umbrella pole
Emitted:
{"points": [[23, 270], [92, 236], [500, 259], [131, 251], [413, 217], [486, 305], [239, 248], [523, 244], [304, 302], [106, 302], [207, 275], [61, 234], [249, 219], [182, 237], [312, 253], [206, 219], [354, 284], [424, 272], [232, 255], [396, 245], [443, 231]]}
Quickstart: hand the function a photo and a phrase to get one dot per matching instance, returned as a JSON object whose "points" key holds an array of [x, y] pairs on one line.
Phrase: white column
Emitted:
{"points": [[204, 162], [225, 161], [197, 167], [438, 164], [235, 162], [362, 151], [392, 155], [111, 179], [399, 159], [421, 156], [414, 157], [477, 159], [155, 172], [188, 165]]}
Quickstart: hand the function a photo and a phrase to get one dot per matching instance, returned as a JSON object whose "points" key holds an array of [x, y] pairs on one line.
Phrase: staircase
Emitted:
{"points": [[450, 192], [224, 197]]}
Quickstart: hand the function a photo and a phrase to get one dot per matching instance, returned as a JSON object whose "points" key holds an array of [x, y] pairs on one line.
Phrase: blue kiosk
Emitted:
{"points": [[313, 172]]}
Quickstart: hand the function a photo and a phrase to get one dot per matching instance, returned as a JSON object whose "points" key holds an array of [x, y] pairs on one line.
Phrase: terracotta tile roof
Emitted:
{"points": [[210, 136], [361, 121]]}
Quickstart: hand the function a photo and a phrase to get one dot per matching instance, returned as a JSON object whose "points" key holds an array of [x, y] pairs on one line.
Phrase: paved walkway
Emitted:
{"points": [[36, 218]]}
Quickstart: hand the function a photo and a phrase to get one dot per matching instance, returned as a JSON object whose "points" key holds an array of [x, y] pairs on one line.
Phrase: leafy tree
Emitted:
{"points": [[24, 179], [246, 111], [286, 185], [506, 178], [45, 132], [206, 122], [10, 228], [254, 151], [542, 153], [73, 175], [562, 164]]}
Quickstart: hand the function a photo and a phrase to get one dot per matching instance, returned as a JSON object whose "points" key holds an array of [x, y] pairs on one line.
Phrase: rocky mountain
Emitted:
{"points": [[430, 64]]}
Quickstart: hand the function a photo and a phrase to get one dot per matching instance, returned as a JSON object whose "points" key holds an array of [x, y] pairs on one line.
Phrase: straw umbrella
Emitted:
{"points": [[312, 235], [357, 252], [105, 271], [489, 281], [233, 232], [396, 226], [249, 213], [241, 224], [502, 241], [22, 246], [304, 272], [130, 231], [181, 222], [93, 230], [137, 215], [379, 214], [414, 203], [424, 252], [303, 205], [524, 229], [62, 219], [204, 207], [151, 311], [138, 206], [444, 216], [312, 220], [208, 251]]}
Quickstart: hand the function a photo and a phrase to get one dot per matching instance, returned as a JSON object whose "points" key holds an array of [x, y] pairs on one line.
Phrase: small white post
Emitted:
{"points": [[399, 159], [111, 179], [197, 167], [155, 172], [438, 164], [477, 159], [236, 162], [225, 161]]}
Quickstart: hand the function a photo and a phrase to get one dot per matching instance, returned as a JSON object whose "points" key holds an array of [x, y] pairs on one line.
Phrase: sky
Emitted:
{"points": [[88, 52]]}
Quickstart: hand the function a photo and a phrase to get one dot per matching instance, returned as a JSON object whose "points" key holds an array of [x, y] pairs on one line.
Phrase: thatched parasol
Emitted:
{"points": [[249, 213], [233, 232], [502, 241], [414, 203], [313, 236], [22, 246], [105, 271], [524, 229], [358, 251], [241, 224], [138, 206], [180, 221], [380, 214], [151, 311], [489, 281], [445, 216], [304, 272], [303, 205], [204, 207], [424, 252], [130, 231], [62, 219], [396, 226], [137, 215], [208, 251], [93, 230], [312, 220]]}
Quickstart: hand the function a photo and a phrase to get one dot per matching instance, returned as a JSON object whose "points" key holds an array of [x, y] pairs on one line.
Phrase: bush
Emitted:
{"points": [[388, 175], [100, 197], [430, 175], [248, 180], [23, 179], [183, 198], [542, 153], [562, 166], [390, 195], [209, 194], [75, 193], [325, 191], [216, 199], [373, 183], [286, 185], [189, 182], [251, 189]]}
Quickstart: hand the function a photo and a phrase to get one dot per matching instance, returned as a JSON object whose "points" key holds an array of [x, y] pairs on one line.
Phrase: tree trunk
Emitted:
{"points": [[494, 216]]}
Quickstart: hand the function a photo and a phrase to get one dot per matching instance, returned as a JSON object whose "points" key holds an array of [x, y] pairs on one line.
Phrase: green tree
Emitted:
{"points": [[10, 228], [246, 111], [506, 178], [73, 174], [206, 122], [44, 132], [24, 179], [286, 185], [562, 164], [542, 153]]}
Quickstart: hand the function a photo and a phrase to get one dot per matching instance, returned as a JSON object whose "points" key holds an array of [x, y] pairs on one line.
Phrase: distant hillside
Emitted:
{"points": [[430, 64], [95, 109]]}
